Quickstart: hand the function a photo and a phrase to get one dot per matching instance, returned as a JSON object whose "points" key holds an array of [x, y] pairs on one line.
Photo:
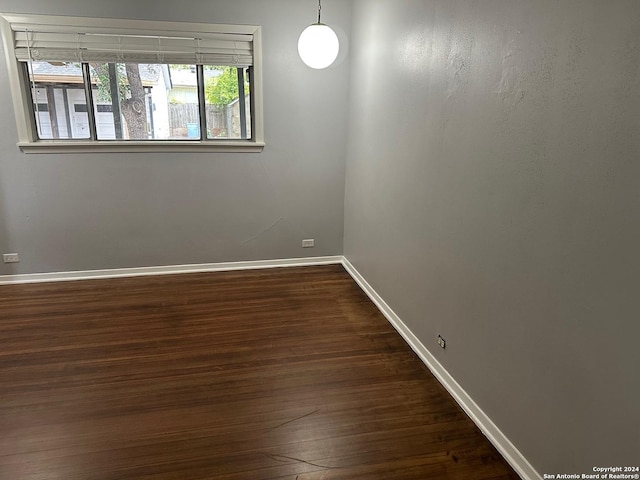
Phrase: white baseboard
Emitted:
{"points": [[484, 423], [166, 270]]}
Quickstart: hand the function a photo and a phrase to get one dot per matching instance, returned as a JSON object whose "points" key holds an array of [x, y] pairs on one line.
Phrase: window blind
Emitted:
{"points": [[71, 43]]}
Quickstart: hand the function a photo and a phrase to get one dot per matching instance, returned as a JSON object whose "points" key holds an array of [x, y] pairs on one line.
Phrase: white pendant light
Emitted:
{"points": [[318, 45]]}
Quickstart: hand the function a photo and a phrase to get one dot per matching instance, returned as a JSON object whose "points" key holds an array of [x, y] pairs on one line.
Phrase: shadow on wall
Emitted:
{"points": [[5, 268]]}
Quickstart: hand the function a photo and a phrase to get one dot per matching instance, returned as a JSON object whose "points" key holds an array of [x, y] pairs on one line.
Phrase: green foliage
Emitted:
{"points": [[100, 74], [223, 89]]}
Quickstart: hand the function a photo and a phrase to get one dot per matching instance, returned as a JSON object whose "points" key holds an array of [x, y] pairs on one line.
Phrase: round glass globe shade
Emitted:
{"points": [[318, 46]]}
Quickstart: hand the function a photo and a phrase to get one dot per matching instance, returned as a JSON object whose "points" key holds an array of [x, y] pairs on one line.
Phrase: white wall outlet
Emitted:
{"points": [[10, 257], [308, 243], [441, 342]]}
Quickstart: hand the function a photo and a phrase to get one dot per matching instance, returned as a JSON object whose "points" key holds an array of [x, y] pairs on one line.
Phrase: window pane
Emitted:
{"points": [[228, 106], [59, 103], [155, 101]]}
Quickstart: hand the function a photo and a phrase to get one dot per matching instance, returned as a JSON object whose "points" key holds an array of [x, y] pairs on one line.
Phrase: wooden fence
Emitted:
{"points": [[184, 120]]}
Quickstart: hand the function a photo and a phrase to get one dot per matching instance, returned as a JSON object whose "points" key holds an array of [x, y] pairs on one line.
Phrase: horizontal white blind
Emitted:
{"points": [[104, 44]]}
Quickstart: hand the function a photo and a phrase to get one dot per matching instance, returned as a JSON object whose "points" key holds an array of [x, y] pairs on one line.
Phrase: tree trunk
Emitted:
{"points": [[134, 108]]}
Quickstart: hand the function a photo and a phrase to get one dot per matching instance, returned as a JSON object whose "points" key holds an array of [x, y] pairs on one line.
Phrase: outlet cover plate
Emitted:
{"points": [[10, 257]]}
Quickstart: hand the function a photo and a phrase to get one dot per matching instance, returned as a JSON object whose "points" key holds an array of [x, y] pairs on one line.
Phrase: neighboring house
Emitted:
{"points": [[184, 86], [61, 105]]}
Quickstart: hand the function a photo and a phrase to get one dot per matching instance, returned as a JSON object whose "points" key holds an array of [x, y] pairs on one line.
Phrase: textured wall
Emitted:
{"points": [[76, 212], [492, 197]]}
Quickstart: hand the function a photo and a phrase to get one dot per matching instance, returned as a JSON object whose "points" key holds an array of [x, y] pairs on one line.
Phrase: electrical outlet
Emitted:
{"points": [[441, 342], [10, 257], [308, 243]]}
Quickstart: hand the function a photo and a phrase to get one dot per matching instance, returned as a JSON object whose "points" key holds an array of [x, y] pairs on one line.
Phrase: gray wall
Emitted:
{"points": [[500, 207], [77, 212]]}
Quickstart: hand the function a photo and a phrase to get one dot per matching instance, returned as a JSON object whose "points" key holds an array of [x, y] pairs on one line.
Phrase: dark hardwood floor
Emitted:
{"points": [[279, 373]]}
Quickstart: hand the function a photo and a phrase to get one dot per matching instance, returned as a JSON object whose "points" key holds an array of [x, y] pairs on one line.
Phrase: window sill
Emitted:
{"points": [[166, 146]]}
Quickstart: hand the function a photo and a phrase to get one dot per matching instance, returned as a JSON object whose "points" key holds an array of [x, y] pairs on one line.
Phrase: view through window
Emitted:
{"points": [[136, 101]]}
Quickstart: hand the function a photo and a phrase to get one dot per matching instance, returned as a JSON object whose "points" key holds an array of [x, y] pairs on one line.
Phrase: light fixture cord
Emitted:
{"points": [[319, 10]]}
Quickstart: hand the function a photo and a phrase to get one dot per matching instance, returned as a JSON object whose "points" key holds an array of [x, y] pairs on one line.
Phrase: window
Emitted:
{"points": [[126, 85]]}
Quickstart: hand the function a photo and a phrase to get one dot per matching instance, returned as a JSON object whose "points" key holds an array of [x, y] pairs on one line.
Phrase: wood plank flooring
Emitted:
{"points": [[280, 373]]}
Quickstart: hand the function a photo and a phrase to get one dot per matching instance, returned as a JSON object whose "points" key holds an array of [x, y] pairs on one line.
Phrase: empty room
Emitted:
{"points": [[304, 240]]}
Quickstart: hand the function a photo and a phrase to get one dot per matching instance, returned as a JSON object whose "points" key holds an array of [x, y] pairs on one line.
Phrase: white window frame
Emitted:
{"points": [[28, 140]]}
